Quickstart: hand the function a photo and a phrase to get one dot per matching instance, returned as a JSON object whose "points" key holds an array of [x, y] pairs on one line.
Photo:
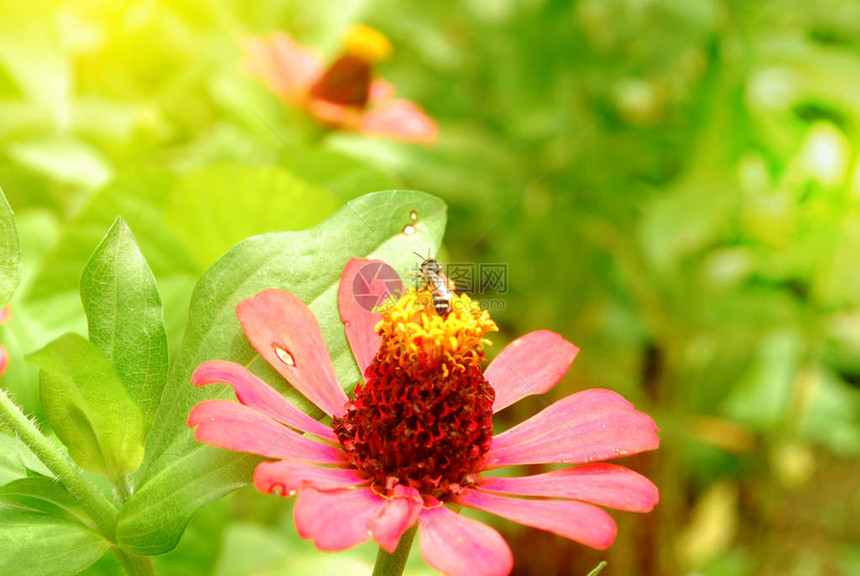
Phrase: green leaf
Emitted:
{"points": [[125, 318], [42, 544], [598, 569], [89, 408], [10, 252], [138, 198], [17, 461], [199, 550], [214, 208], [45, 495], [154, 522], [830, 417], [681, 222], [179, 236], [181, 475], [66, 160], [762, 396]]}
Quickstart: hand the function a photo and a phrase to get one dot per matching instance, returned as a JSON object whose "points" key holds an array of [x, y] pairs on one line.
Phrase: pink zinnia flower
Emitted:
{"points": [[417, 434], [344, 95]]}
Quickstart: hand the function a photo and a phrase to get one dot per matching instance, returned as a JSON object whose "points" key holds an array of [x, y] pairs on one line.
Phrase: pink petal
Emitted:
{"points": [[236, 427], [380, 91], [285, 67], [531, 364], [364, 285], [291, 477], [336, 115], [395, 517], [253, 392], [5, 314], [4, 359], [459, 546], [604, 484], [286, 334], [338, 519], [588, 426], [578, 521], [399, 120]]}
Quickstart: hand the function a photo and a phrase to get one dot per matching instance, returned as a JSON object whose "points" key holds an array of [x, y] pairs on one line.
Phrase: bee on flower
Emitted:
{"points": [[344, 94], [434, 280], [412, 443]]}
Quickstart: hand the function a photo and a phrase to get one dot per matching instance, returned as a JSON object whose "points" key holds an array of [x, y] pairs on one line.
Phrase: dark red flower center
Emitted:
{"points": [[423, 417], [346, 82]]}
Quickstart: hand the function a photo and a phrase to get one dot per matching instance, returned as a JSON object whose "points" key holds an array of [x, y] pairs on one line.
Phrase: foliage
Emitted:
{"points": [[673, 186]]}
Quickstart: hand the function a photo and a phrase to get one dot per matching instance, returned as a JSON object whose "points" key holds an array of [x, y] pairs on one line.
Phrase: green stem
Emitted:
{"points": [[99, 509], [135, 565], [393, 564], [121, 489]]}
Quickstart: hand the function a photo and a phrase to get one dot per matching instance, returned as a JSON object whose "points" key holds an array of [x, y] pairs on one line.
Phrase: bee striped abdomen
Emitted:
{"points": [[436, 282], [442, 304]]}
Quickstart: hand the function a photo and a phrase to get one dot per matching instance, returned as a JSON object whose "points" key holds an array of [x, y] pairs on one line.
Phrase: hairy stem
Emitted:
{"points": [[99, 509]]}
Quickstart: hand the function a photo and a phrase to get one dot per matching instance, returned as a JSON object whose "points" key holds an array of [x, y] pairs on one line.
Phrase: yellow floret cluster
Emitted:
{"points": [[366, 42], [418, 338]]}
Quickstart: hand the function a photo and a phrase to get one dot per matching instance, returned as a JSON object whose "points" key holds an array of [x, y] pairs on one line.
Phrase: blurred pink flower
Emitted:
{"points": [[417, 434], [5, 314], [343, 96]]}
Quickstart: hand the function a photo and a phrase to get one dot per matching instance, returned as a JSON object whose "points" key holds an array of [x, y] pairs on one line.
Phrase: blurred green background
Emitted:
{"points": [[673, 186]]}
